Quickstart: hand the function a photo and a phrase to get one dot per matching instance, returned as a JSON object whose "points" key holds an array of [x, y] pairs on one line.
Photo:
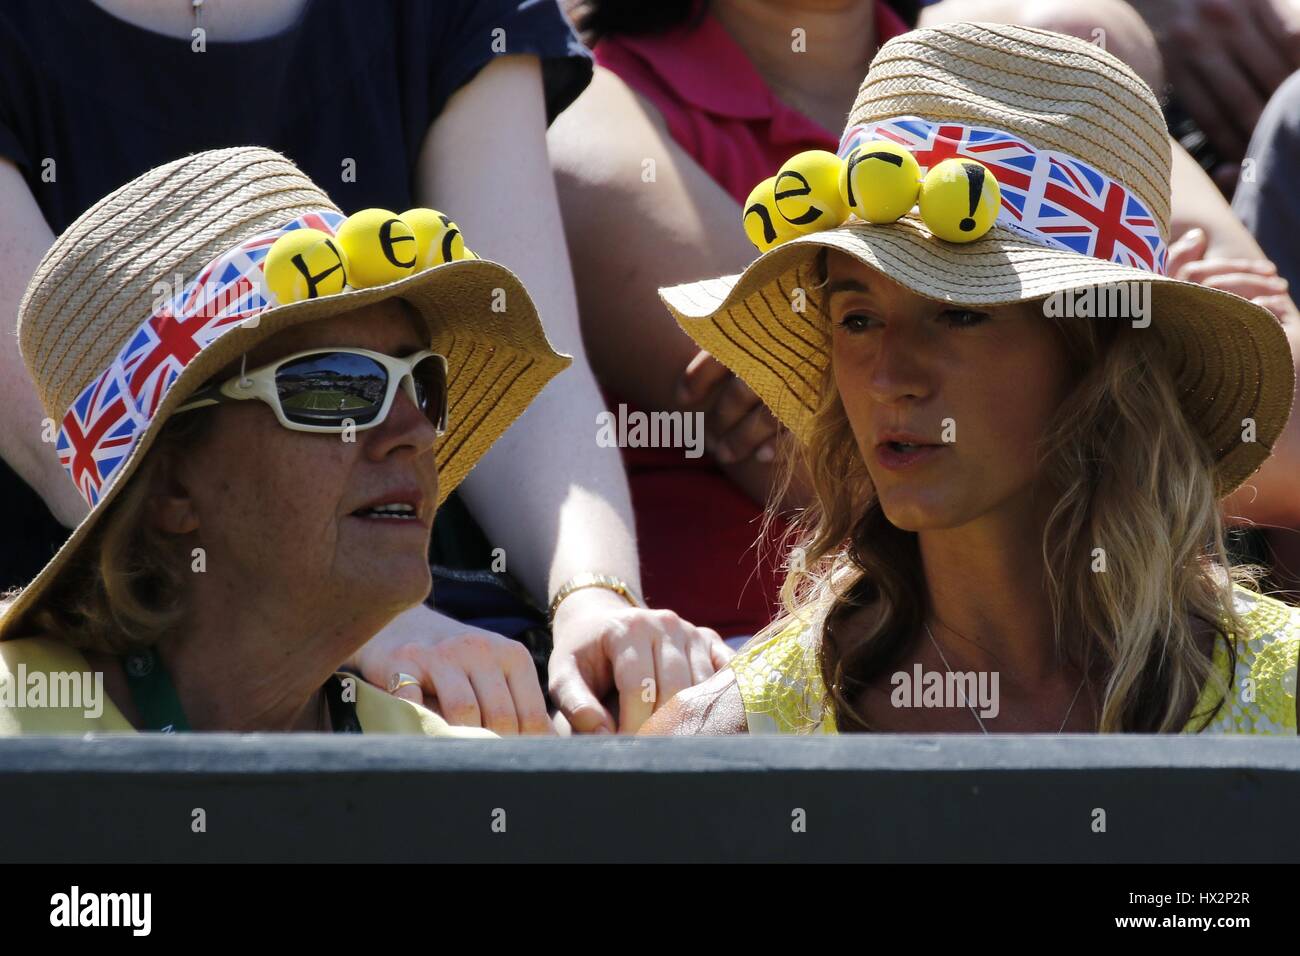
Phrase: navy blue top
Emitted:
{"points": [[107, 100]]}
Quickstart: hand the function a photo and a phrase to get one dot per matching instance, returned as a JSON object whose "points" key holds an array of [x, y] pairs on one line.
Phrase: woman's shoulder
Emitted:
{"points": [[382, 713], [48, 687], [780, 683], [1261, 694]]}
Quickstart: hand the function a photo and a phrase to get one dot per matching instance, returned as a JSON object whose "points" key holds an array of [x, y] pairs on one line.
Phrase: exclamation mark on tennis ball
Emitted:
{"points": [[960, 200], [975, 181]]}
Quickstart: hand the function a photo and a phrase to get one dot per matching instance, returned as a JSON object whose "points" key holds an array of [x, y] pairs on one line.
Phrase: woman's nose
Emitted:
{"points": [[407, 426], [898, 369]]}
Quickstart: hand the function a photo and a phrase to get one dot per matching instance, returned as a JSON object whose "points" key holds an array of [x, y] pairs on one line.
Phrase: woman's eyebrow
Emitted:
{"points": [[845, 285]]}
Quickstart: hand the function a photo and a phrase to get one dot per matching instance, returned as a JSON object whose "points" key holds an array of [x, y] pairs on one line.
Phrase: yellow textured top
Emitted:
{"points": [[781, 686], [37, 674]]}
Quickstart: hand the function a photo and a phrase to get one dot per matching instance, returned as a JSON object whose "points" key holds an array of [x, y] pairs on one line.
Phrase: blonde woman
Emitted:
{"points": [[1016, 523]]}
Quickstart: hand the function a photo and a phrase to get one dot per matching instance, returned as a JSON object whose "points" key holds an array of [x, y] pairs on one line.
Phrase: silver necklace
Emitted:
{"points": [[973, 712]]}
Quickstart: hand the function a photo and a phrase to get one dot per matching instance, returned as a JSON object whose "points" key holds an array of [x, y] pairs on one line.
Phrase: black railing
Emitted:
{"points": [[888, 798]]}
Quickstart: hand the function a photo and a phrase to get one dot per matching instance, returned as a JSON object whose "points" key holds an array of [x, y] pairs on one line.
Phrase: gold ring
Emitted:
{"points": [[400, 680]]}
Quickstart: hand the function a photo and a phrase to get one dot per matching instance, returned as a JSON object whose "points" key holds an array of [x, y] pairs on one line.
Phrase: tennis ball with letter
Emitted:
{"points": [[379, 247], [762, 223], [880, 181], [960, 199], [304, 264], [437, 238], [807, 191]]}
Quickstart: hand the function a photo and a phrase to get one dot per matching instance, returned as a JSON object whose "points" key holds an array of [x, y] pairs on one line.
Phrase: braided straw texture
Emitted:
{"points": [[95, 285], [1054, 91]]}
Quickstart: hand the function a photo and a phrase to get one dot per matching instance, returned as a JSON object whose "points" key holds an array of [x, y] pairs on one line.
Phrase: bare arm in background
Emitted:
{"points": [[639, 214], [555, 500], [24, 237]]}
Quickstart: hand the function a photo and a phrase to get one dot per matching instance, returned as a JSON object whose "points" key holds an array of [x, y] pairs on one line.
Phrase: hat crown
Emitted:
{"points": [[1053, 91], [101, 278]]}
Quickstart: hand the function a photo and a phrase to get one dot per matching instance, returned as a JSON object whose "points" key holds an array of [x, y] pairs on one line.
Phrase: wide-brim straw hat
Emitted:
{"points": [[1063, 125], [110, 273]]}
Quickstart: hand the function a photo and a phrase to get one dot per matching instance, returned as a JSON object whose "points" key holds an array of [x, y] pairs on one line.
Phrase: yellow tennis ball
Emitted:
{"points": [[304, 264], [807, 191], [437, 238], [880, 181], [379, 247], [960, 199], [762, 223]]}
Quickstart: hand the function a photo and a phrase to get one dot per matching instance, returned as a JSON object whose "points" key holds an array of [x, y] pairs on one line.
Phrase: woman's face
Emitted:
{"points": [[947, 404], [281, 512]]}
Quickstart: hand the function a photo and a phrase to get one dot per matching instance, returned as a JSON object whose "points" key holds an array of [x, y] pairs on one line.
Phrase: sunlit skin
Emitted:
{"points": [[995, 376], [293, 581], [988, 380]]}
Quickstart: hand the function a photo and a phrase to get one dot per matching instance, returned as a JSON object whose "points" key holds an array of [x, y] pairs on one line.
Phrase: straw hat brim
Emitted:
{"points": [[1230, 357], [497, 363]]}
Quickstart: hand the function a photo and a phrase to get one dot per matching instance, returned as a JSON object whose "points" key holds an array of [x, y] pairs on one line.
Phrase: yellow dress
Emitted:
{"points": [[781, 686], [22, 711]]}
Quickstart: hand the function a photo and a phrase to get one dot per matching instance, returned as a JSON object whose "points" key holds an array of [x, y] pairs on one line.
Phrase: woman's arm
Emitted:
{"points": [[557, 500], [547, 493], [24, 237], [640, 213]]}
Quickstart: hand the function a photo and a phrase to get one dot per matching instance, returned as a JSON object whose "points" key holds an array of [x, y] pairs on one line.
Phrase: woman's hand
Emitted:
{"points": [[736, 422], [607, 652], [1253, 279], [472, 677], [1225, 58]]}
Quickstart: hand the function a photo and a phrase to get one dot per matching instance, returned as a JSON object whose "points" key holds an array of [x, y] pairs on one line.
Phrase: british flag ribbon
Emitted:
{"points": [[1048, 196], [110, 414]]}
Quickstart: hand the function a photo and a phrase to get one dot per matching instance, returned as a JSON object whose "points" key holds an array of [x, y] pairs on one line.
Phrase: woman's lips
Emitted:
{"points": [[409, 522], [895, 458]]}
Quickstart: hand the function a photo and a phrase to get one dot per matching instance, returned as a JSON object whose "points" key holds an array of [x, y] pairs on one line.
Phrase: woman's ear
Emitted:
{"points": [[171, 506]]}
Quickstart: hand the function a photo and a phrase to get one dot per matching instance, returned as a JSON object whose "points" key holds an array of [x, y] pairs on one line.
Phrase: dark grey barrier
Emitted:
{"points": [[890, 798]]}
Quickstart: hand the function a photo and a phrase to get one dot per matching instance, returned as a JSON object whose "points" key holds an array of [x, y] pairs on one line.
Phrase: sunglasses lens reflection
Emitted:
{"points": [[327, 388]]}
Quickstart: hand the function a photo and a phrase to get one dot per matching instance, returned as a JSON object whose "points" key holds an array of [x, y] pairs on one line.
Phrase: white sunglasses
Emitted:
{"points": [[332, 390]]}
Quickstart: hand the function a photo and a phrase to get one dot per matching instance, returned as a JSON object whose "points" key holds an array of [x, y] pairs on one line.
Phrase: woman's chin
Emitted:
{"points": [[910, 511], [403, 583]]}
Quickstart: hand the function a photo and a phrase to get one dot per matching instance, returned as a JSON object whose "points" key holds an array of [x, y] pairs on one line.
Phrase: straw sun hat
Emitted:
{"points": [[1079, 148], [112, 363]]}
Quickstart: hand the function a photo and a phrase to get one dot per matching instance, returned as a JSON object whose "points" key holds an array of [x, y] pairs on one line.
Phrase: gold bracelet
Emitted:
{"points": [[589, 580]]}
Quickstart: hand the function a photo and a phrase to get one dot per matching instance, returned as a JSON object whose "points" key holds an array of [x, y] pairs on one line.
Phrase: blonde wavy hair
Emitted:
{"points": [[1133, 478], [125, 587]]}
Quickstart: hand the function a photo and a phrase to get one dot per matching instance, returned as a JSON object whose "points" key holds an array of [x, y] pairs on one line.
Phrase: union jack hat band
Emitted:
{"points": [[1079, 149], [115, 343], [1047, 196], [101, 428]]}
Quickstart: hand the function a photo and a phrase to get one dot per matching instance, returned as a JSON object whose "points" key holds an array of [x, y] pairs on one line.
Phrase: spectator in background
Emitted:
{"points": [[1224, 60], [390, 104]]}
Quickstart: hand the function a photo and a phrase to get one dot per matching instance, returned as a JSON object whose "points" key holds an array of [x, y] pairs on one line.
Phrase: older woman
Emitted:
{"points": [[263, 447], [1017, 426]]}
